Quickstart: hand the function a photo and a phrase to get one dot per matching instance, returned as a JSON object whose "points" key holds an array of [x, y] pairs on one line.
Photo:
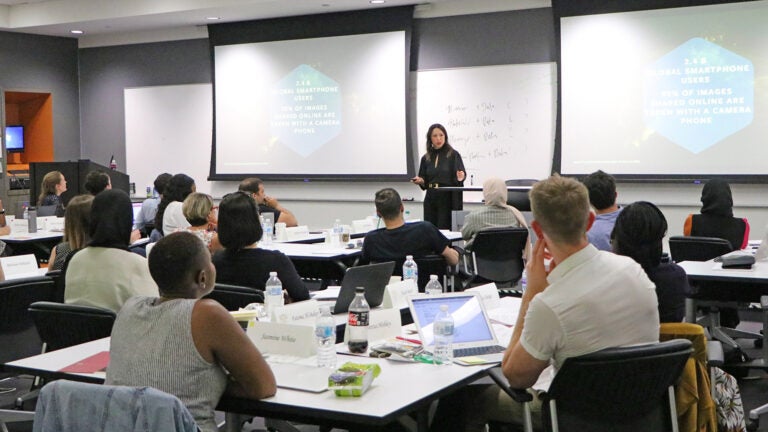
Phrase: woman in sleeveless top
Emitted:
{"points": [[182, 344], [716, 218]]}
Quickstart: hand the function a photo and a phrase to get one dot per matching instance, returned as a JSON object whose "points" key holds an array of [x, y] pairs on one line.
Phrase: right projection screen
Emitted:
{"points": [[666, 93]]}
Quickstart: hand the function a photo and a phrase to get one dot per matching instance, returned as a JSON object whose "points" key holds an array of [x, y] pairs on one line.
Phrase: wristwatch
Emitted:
{"points": [[2, 212]]}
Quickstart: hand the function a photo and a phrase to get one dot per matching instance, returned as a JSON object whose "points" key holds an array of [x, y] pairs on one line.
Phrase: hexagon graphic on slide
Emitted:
{"points": [[698, 94], [305, 110]]}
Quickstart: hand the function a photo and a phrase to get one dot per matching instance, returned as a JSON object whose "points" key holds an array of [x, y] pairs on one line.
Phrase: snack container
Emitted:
{"points": [[352, 379]]}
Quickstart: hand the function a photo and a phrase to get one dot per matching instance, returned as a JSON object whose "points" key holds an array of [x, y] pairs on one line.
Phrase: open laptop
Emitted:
{"points": [[136, 210], [374, 277], [474, 341]]}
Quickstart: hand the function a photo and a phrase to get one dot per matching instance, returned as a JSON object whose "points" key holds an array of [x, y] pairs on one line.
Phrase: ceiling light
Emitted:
{"points": [[213, 18], [79, 32], [377, 1]]}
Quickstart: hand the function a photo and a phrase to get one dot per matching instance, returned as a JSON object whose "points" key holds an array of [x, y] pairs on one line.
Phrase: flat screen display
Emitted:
{"points": [[14, 138]]}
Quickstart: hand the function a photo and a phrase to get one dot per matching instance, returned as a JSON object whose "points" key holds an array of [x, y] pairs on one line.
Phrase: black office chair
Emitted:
{"points": [[519, 198], [496, 256], [18, 337], [712, 295], [429, 265], [63, 325], [58, 283], [628, 389], [234, 297]]}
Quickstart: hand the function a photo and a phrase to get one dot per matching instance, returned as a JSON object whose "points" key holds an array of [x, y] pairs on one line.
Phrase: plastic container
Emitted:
{"points": [[32, 220], [433, 286], [353, 379], [442, 354], [325, 335], [358, 320], [273, 294], [410, 269]]}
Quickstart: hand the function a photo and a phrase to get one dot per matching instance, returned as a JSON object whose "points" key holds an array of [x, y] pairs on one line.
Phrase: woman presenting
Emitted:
{"points": [[440, 166]]}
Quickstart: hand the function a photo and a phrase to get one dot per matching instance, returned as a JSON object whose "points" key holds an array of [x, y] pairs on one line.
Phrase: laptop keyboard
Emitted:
{"points": [[478, 351]]}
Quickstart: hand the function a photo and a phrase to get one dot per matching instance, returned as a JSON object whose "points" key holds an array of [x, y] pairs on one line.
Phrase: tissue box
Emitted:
{"points": [[353, 379]]}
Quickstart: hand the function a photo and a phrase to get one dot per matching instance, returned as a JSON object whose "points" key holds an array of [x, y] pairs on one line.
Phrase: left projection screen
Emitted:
{"points": [[332, 107]]}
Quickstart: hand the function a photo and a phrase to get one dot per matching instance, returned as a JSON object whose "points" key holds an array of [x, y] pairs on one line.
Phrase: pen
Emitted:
{"points": [[413, 341]]}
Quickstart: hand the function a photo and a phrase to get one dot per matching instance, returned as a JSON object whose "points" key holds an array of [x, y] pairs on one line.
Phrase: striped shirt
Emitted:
{"points": [[487, 217]]}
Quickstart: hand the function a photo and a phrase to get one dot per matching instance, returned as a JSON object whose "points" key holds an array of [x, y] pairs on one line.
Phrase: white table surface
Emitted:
{"points": [[20, 237]]}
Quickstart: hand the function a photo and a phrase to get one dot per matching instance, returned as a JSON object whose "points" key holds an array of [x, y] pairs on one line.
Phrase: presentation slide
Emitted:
{"points": [[312, 107], [672, 92]]}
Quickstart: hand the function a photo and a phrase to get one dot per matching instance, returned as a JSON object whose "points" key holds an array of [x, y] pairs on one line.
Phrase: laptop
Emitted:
{"points": [[474, 341], [374, 277], [136, 210]]}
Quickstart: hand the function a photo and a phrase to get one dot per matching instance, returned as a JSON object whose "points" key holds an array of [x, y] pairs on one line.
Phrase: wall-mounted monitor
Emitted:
{"points": [[14, 139]]}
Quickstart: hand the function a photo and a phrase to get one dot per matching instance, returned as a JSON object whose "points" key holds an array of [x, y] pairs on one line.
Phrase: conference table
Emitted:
{"points": [[746, 284], [401, 389], [39, 243]]}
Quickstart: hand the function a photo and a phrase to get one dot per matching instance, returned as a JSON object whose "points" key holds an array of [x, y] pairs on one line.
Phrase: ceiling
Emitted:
{"points": [[106, 22]]}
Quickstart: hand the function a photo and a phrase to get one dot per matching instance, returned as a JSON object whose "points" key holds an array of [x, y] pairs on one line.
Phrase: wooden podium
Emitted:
{"points": [[75, 173]]}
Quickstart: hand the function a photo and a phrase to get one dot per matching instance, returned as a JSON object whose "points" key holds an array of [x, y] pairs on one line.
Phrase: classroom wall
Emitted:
{"points": [[525, 36]]}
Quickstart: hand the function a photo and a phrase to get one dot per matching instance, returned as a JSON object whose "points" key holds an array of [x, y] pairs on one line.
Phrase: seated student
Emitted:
{"points": [[716, 218], [170, 217], [267, 204], [602, 196], [398, 239], [200, 212], [97, 181], [77, 221], [638, 234], [149, 206], [242, 262], [105, 273], [182, 344], [496, 213]]}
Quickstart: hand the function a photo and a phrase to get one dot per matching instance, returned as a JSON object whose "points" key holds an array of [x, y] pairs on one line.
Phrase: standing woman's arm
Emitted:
{"points": [[460, 172]]}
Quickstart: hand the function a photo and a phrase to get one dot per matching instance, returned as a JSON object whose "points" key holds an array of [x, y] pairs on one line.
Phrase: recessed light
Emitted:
{"points": [[213, 18], [77, 32], [377, 1]]}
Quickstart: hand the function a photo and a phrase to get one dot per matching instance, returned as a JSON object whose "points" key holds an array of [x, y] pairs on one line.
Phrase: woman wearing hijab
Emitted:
{"points": [[496, 213], [105, 273], [716, 218]]}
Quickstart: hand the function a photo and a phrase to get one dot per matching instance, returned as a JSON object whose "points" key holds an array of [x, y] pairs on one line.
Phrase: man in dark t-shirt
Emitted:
{"points": [[399, 239]]}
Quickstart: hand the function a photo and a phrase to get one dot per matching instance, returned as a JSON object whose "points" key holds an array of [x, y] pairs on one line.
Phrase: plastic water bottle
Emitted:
{"points": [[523, 281], [443, 328], [273, 294], [268, 228], [336, 232], [410, 269], [358, 319], [26, 213], [433, 286], [113, 163], [325, 334]]}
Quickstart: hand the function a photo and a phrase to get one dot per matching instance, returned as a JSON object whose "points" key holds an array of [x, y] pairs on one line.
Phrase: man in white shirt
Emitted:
{"points": [[587, 300]]}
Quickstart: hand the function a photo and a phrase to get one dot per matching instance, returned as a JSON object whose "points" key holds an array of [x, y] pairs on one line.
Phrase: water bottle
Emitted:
{"points": [[268, 228], [407, 215], [32, 221], [336, 232], [443, 328], [410, 269], [325, 334], [359, 314], [433, 286], [273, 294], [113, 163], [26, 213], [523, 281]]}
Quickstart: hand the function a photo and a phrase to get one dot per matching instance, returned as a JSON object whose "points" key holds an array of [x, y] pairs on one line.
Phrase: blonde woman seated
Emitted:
{"points": [[77, 219], [182, 344], [200, 212], [496, 213]]}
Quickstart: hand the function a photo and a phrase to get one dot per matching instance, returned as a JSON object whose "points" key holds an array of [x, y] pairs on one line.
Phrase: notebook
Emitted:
{"points": [[374, 277], [474, 341]]}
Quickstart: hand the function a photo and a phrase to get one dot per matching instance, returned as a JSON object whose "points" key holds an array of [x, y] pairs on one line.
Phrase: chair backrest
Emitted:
{"points": [[428, 265], [457, 219], [18, 338], [234, 297], [58, 283], [519, 198], [618, 389], [70, 405], [63, 325], [692, 248], [498, 254]]}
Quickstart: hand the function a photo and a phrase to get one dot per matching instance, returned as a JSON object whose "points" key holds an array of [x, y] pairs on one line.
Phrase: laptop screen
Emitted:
{"points": [[470, 323], [136, 210]]}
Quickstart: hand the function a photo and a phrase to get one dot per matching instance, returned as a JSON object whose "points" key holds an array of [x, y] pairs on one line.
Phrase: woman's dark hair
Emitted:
{"points": [[238, 221], [175, 260], [716, 198], [446, 147], [179, 186], [638, 233], [111, 219]]}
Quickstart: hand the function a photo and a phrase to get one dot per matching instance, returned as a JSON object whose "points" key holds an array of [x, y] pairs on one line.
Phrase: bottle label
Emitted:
{"points": [[358, 319]]}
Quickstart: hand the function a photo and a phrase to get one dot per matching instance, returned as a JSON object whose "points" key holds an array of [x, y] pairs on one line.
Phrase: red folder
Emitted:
{"points": [[95, 363]]}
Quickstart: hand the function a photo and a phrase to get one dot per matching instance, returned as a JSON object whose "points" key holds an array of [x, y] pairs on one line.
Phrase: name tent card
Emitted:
{"points": [[488, 294], [303, 312], [19, 266], [382, 324], [396, 294], [283, 339]]}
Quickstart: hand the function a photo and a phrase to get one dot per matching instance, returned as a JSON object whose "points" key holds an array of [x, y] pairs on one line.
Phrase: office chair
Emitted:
{"points": [[457, 219], [18, 337], [627, 389], [429, 265], [693, 248], [496, 256], [57, 276], [234, 297], [519, 198], [63, 325]]}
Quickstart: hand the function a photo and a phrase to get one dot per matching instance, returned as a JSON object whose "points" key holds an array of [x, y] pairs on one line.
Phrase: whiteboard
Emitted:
{"points": [[501, 119], [168, 129]]}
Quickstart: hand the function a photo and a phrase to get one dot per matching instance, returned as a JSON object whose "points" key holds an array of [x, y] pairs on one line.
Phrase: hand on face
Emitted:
{"points": [[536, 270]]}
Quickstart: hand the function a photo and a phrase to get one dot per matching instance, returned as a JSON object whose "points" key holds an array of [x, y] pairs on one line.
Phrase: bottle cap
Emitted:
{"points": [[444, 307], [272, 274], [409, 257], [432, 277], [360, 290]]}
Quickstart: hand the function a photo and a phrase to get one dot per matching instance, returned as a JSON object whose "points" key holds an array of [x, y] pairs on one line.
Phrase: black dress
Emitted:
{"points": [[440, 171]]}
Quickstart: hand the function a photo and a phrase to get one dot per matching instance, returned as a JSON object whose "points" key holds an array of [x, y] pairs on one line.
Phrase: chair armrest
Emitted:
{"points": [[519, 395], [715, 356]]}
